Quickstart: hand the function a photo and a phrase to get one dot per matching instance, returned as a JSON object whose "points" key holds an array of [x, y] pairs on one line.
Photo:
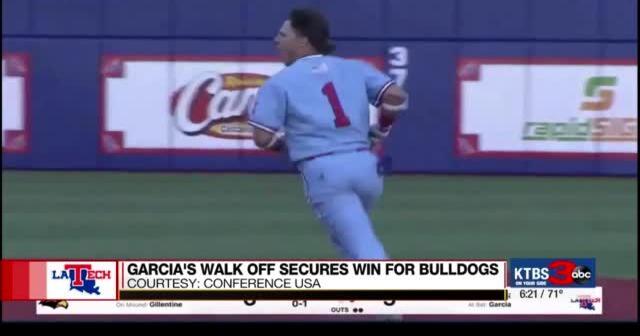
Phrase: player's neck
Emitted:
{"points": [[308, 54]]}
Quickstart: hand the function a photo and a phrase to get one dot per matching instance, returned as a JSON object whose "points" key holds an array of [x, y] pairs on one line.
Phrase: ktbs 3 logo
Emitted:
{"points": [[571, 272], [81, 277]]}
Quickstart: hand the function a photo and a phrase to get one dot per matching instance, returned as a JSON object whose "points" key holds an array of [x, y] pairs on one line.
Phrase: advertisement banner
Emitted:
{"points": [[15, 103], [181, 104], [547, 108]]}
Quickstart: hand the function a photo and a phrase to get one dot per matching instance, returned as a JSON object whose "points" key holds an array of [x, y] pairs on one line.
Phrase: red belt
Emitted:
{"points": [[330, 153]]}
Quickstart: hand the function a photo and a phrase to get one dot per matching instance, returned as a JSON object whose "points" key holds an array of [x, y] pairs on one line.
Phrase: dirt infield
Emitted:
{"points": [[620, 298]]}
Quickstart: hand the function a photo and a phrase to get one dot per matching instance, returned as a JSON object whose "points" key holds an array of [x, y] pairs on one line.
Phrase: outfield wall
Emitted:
{"points": [[497, 86]]}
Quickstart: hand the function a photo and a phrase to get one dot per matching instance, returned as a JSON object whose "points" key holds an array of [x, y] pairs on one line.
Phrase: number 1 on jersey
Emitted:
{"points": [[341, 119]]}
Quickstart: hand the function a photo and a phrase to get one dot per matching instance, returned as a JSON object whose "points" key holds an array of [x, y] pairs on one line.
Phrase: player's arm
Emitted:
{"points": [[393, 101], [267, 117], [383, 92]]}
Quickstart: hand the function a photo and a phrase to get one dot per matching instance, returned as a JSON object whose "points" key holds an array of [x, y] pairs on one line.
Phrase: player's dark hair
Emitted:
{"points": [[314, 26]]}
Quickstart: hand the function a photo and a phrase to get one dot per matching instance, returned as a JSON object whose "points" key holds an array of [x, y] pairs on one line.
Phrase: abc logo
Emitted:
{"points": [[581, 274]]}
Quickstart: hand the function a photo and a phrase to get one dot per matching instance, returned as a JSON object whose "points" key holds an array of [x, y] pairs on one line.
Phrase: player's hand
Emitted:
{"points": [[279, 144], [377, 135]]}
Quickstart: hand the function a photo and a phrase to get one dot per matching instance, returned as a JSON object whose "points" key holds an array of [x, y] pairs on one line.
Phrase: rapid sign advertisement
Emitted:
{"points": [[547, 108]]}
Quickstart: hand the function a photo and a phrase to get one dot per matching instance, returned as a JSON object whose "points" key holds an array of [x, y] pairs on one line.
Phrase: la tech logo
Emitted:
{"points": [[81, 280], [83, 277]]}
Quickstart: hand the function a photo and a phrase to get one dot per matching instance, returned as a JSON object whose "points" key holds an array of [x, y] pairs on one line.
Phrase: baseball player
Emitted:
{"points": [[317, 108]]}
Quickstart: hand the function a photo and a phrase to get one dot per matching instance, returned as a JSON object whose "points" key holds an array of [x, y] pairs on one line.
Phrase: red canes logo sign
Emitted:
{"points": [[216, 104]]}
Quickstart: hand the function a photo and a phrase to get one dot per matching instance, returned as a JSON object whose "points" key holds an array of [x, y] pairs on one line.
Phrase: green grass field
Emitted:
{"points": [[138, 215]]}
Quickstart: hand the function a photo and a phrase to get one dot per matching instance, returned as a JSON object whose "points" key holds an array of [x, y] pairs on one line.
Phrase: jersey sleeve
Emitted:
{"points": [[376, 82], [269, 110]]}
